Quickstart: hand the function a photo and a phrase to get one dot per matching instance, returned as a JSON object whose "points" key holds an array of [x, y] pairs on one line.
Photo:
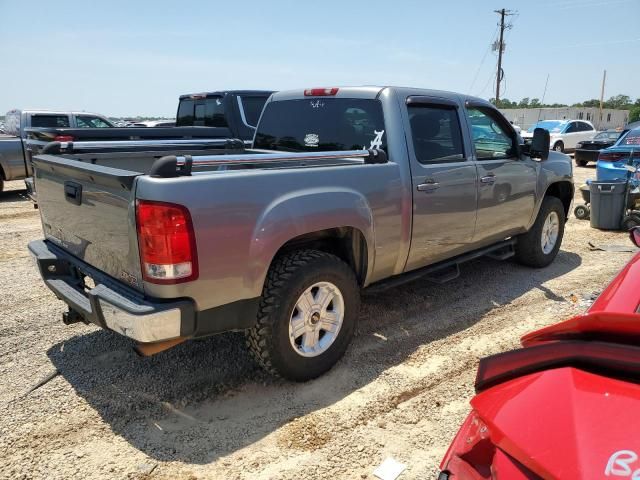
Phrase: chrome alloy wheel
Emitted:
{"points": [[316, 319], [550, 231]]}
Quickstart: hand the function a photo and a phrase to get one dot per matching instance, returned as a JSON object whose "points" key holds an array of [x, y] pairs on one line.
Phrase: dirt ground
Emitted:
{"points": [[77, 402]]}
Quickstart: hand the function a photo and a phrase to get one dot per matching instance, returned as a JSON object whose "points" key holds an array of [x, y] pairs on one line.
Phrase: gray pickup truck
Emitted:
{"points": [[16, 144], [344, 189]]}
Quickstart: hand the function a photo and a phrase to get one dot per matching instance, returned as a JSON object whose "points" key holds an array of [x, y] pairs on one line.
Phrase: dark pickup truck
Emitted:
{"points": [[224, 114], [344, 189]]}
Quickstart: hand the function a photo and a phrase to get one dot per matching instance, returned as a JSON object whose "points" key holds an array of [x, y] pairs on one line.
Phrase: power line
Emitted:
{"points": [[484, 57]]}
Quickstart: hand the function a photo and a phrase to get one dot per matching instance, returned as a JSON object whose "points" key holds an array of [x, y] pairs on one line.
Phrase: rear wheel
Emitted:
{"points": [[558, 147], [539, 246], [307, 315]]}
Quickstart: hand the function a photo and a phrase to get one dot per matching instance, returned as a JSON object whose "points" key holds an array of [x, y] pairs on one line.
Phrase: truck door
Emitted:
{"points": [[507, 182], [444, 182]]}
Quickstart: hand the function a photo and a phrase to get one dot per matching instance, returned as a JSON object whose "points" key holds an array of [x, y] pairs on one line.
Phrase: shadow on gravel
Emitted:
{"points": [[205, 399], [13, 196]]}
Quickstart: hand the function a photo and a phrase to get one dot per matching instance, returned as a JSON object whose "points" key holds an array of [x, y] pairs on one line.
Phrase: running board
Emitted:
{"points": [[447, 270]]}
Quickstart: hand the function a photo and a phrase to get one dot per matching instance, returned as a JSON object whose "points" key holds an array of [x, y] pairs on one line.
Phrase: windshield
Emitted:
{"points": [[607, 136], [321, 124], [554, 126], [632, 138]]}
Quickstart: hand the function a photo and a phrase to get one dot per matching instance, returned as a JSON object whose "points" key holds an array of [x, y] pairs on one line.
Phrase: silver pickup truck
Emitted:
{"points": [[344, 189], [16, 144]]}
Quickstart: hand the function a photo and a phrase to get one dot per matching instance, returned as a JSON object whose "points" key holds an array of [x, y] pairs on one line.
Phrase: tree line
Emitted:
{"points": [[618, 102]]}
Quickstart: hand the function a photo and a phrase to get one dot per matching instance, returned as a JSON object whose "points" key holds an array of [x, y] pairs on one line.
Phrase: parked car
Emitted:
{"points": [[15, 147], [238, 110], [612, 161], [563, 406], [565, 134], [588, 150], [155, 123], [344, 189]]}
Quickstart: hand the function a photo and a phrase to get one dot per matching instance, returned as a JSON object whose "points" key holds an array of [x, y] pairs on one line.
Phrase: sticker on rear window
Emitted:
{"points": [[311, 140], [376, 143]]}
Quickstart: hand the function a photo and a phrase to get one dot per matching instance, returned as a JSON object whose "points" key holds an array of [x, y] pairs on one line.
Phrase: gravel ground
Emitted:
{"points": [[77, 402]]}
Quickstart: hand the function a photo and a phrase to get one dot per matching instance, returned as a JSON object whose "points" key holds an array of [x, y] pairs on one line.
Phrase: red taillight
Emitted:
{"points": [[616, 359], [167, 242], [617, 156], [64, 138], [320, 92]]}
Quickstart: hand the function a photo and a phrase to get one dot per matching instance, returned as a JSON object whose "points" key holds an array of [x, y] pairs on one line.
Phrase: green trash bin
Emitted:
{"points": [[608, 201]]}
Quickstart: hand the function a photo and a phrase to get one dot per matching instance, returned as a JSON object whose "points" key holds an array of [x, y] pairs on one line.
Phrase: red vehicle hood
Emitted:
{"points": [[566, 423]]}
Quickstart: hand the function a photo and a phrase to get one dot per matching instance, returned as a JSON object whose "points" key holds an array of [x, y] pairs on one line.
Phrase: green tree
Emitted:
{"points": [[535, 103], [618, 101], [634, 114], [524, 103]]}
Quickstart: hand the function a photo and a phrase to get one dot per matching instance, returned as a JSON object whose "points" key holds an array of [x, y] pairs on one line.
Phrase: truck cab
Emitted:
{"points": [[238, 110]]}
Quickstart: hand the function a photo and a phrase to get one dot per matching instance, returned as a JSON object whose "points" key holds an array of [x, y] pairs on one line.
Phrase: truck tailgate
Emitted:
{"points": [[89, 211]]}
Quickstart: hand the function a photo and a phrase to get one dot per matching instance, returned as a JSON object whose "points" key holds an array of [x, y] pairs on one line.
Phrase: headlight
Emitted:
{"points": [[579, 145]]}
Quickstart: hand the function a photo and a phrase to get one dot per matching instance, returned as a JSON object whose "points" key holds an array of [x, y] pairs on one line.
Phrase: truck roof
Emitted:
{"points": [[372, 92], [222, 93]]}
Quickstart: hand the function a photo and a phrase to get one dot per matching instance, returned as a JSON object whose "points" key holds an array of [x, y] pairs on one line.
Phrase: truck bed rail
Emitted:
{"points": [[177, 165]]}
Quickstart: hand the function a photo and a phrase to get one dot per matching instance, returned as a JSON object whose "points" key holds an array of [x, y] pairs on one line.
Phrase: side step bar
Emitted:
{"points": [[447, 270]]}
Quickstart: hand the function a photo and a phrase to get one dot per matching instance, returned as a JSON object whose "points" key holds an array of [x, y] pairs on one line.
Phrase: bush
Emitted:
{"points": [[634, 114]]}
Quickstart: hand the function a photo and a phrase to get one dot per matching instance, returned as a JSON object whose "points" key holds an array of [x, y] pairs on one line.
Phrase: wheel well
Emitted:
{"points": [[563, 191], [346, 243]]}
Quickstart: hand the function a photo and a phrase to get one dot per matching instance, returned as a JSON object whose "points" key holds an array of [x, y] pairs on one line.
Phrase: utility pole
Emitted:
{"points": [[604, 79], [499, 46]]}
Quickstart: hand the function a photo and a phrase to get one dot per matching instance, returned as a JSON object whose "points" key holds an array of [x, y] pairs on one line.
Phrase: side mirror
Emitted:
{"points": [[540, 144], [634, 234]]}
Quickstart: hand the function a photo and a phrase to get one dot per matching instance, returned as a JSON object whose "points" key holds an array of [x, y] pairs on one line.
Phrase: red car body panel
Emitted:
{"points": [[566, 420]]}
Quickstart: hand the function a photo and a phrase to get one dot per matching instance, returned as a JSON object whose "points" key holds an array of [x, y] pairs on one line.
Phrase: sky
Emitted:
{"points": [[127, 58]]}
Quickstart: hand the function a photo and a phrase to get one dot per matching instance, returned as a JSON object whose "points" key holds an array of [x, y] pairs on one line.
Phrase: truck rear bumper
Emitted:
{"points": [[111, 304]]}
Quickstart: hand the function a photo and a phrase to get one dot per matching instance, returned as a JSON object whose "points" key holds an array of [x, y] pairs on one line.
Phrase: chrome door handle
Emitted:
{"points": [[489, 179], [428, 186]]}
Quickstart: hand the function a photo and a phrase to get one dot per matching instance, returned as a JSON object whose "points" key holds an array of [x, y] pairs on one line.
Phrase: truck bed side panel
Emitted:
{"points": [[241, 219]]}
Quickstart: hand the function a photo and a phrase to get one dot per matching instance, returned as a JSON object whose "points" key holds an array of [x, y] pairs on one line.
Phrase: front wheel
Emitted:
{"points": [[558, 147], [307, 315], [539, 246], [582, 163]]}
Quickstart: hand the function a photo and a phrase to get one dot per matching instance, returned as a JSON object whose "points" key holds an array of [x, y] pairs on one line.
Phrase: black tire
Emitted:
{"points": [[558, 147], [630, 221], [582, 163], [529, 249], [289, 276], [582, 212]]}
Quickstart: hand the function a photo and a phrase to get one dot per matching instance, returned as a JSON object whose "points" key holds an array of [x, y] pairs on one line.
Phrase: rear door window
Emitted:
{"points": [[322, 124], [436, 133], [50, 121], [252, 107]]}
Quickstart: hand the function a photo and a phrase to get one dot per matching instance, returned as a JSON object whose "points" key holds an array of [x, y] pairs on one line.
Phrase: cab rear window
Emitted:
{"points": [[321, 124], [205, 112], [50, 121]]}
